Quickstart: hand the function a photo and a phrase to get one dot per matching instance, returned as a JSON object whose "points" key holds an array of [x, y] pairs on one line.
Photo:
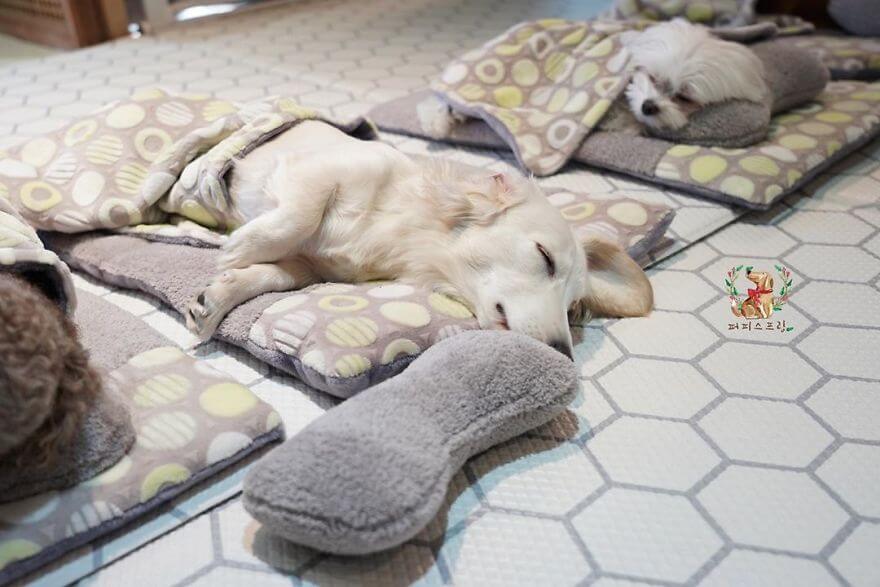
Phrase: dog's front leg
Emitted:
{"points": [[236, 286]]}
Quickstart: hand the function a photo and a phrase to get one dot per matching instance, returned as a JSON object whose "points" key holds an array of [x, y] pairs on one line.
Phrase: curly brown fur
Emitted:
{"points": [[46, 383]]}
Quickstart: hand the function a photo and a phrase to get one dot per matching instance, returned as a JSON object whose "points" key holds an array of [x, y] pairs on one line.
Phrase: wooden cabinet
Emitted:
{"points": [[64, 23]]}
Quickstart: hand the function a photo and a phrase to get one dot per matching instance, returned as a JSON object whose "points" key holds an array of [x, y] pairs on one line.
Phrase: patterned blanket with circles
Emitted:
{"points": [[152, 165], [543, 86]]}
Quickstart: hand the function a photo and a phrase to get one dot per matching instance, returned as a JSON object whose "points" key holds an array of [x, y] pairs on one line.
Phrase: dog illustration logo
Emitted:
{"points": [[760, 301]]}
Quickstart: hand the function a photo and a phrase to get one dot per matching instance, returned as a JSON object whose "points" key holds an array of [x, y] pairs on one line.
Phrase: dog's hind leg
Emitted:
{"points": [[236, 286], [265, 239], [303, 190]]}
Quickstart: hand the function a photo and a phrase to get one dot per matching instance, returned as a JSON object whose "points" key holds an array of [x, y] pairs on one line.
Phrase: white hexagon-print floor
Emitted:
{"points": [[695, 454]]}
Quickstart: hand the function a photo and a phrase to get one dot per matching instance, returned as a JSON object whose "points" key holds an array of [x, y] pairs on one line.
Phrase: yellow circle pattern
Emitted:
{"points": [[150, 142], [629, 213], [508, 96], [352, 332], [38, 152], [227, 400], [39, 196], [342, 303], [17, 549], [162, 389], [705, 168], [525, 72], [167, 431], [398, 347], [104, 150], [197, 213], [406, 313], [161, 477], [796, 143], [125, 116], [448, 306], [156, 357], [80, 132], [352, 365]]}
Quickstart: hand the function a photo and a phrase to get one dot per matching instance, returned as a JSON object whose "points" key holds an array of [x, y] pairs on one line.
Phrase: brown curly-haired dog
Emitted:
{"points": [[46, 383]]}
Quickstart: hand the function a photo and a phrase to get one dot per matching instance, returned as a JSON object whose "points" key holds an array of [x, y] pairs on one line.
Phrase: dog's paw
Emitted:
{"points": [[203, 316], [436, 118]]}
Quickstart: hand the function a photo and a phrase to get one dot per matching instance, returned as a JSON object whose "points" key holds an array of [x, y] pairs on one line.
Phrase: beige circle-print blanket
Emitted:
{"points": [[153, 159], [543, 86]]}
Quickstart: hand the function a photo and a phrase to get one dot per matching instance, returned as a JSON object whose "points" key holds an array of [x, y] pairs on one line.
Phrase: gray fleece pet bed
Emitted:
{"points": [[800, 143]]}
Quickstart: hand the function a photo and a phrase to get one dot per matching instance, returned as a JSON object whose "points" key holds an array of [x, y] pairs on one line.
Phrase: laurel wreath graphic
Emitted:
{"points": [[778, 301]]}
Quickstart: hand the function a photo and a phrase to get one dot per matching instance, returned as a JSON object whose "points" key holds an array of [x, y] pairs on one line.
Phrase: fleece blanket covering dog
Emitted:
{"points": [[151, 160], [543, 86], [853, 56], [723, 15], [709, 12], [845, 56]]}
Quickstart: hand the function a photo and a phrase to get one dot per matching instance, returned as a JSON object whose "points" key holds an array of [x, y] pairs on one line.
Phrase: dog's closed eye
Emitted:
{"points": [[548, 259], [502, 317], [684, 98]]}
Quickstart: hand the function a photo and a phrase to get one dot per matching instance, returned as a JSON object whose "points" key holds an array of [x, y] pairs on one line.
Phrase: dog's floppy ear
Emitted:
{"points": [[477, 199], [615, 285]]}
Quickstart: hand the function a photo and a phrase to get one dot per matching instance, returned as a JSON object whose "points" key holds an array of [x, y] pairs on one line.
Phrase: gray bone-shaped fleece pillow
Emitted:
{"points": [[373, 472]]}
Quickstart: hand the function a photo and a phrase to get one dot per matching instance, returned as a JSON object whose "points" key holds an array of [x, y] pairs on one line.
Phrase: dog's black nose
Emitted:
{"points": [[563, 347], [650, 108]]}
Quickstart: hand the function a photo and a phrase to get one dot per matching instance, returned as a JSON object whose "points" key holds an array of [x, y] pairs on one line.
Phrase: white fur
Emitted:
{"points": [[334, 208], [677, 58]]}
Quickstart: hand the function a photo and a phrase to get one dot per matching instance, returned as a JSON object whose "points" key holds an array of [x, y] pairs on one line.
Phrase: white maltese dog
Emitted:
{"points": [[677, 69]]}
